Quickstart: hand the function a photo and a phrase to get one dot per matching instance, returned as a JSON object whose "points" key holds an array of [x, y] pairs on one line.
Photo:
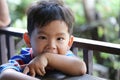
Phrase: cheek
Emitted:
{"points": [[63, 49], [37, 50], [37, 47]]}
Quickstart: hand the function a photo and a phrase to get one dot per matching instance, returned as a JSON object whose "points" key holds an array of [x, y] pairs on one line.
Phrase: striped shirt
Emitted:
{"points": [[18, 62]]}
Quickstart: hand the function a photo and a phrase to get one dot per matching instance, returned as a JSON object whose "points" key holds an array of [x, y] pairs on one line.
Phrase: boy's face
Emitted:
{"points": [[52, 38]]}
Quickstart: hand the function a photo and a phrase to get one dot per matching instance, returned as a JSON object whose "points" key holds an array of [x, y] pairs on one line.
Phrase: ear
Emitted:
{"points": [[70, 41], [27, 39]]}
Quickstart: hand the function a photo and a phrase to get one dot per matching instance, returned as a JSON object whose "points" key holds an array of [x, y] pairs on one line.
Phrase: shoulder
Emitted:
{"points": [[24, 57], [25, 52]]}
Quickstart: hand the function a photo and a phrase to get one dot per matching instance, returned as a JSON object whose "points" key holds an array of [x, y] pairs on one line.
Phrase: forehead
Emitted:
{"points": [[54, 27]]}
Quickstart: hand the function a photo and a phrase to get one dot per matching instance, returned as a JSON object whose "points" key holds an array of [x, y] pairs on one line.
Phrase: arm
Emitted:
{"points": [[17, 62], [10, 74], [65, 64], [11, 70], [4, 14]]}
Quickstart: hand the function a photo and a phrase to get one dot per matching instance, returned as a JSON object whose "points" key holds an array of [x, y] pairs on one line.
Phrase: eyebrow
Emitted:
{"points": [[61, 34], [58, 34], [41, 32]]}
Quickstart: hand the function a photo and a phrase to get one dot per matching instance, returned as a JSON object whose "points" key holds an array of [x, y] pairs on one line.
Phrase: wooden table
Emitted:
{"points": [[60, 76]]}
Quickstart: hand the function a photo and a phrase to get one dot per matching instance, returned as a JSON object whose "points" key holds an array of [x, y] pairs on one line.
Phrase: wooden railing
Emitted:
{"points": [[7, 46], [7, 42]]}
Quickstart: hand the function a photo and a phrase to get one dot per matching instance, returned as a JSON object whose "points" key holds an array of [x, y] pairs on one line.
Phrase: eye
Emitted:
{"points": [[42, 37], [60, 38]]}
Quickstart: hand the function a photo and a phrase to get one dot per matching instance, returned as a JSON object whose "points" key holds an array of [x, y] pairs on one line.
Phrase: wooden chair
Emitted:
{"points": [[7, 46]]}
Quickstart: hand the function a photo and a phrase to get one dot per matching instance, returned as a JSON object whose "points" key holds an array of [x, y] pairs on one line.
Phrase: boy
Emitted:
{"points": [[50, 25]]}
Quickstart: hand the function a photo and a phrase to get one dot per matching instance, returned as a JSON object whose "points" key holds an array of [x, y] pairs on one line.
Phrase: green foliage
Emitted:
{"points": [[108, 8], [18, 12], [77, 7]]}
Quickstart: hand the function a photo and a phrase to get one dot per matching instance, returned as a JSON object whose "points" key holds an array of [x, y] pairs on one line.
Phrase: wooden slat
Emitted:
{"points": [[3, 49], [75, 50], [10, 45], [88, 58]]}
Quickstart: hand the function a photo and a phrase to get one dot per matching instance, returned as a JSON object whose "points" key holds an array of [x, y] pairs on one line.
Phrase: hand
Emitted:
{"points": [[37, 66]]}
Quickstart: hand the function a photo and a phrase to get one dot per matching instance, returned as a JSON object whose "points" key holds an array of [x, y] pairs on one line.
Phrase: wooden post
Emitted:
{"points": [[88, 55], [10, 46], [3, 49]]}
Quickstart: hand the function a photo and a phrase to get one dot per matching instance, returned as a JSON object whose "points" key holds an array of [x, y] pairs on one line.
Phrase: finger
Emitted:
{"points": [[32, 72], [26, 70], [42, 71], [39, 72]]}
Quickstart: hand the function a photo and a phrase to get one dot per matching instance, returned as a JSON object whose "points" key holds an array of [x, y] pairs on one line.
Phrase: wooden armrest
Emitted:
{"points": [[97, 45], [12, 31]]}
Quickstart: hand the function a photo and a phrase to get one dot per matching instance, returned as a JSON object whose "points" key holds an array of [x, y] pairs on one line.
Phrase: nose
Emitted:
{"points": [[51, 45]]}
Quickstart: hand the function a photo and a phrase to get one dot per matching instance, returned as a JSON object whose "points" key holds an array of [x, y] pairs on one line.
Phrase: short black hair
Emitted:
{"points": [[43, 12]]}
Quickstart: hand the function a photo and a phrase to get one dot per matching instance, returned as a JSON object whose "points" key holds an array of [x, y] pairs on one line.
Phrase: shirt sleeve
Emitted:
{"points": [[12, 64], [16, 61], [70, 53]]}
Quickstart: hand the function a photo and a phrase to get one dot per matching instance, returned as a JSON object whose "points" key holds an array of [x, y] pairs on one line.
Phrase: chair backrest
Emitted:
{"points": [[88, 46], [7, 46]]}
